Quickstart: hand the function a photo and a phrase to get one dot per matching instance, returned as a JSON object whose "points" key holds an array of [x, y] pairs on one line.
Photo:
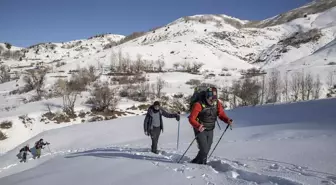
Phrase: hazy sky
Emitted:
{"points": [[27, 22]]}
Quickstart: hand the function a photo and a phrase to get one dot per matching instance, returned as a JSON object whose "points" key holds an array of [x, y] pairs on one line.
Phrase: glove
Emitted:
{"points": [[201, 128], [177, 117], [230, 123]]}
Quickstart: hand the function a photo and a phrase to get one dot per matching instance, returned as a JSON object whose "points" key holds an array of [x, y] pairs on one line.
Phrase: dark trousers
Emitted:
{"points": [[24, 157], [155, 134], [204, 142]]}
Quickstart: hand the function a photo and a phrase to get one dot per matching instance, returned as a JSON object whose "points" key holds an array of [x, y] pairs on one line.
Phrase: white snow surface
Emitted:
{"points": [[273, 144]]}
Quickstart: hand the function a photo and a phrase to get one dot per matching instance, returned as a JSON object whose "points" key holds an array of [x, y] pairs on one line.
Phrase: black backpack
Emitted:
{"points": [[199, 91]]}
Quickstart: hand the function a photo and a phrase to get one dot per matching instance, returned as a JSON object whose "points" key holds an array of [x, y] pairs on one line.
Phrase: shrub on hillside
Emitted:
{"points": [[83, 77], [128, 79], [6, 124], [4, 73], [69, 90], [193, 82], [139, 92], [8, 45], [35, 79], [302, 37], [3, 136], [104, 98], [132, 36]]}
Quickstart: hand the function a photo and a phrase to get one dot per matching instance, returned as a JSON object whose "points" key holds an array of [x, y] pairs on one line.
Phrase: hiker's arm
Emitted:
{"points": [[221, 113], [193, 115], [146, 121], [167, 114]]}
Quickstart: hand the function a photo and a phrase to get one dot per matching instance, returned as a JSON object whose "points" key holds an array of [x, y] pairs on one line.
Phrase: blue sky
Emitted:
{"points": [[27, 22]]}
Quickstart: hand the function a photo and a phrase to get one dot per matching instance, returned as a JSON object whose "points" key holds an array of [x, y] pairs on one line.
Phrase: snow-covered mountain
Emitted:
{"points": [[217, 40], [301, 39]]}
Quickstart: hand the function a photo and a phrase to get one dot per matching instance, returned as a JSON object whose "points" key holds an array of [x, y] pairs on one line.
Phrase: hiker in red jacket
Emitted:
{"points": [[203, 117]]}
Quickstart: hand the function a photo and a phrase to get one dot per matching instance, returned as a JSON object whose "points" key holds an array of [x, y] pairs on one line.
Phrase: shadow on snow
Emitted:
{"points": [[131, 153]]}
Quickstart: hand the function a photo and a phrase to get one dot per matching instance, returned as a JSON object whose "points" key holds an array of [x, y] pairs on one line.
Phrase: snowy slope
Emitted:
{"points": [[224, 44], [275, 144]]}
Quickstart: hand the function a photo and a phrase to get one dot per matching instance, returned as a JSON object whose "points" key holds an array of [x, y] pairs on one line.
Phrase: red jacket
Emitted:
{"points": [[198, 108]]}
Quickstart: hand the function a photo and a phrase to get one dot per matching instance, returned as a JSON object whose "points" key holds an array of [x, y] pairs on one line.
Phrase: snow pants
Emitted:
{"points": [[204, 141], [24, 157], [38, 153], [155, 134]]}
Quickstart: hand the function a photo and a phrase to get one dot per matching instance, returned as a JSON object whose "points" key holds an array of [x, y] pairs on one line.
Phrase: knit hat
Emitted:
{"points": [[156, 103]]}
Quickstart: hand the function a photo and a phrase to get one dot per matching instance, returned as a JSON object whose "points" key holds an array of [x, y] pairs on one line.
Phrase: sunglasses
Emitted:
{"points": [[212, 94]]}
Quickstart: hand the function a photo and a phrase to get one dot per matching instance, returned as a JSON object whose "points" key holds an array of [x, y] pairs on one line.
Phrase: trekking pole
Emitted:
{"points": [[49, 149], [187, 148], [218, 125], [178, 135], [219, 140]]}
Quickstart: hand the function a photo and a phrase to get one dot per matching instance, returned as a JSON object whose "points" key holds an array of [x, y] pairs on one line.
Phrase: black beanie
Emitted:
{"points": [[156, 103]]}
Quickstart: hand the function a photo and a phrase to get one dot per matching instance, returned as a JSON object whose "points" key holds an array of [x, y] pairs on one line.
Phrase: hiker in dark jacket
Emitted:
{"points": [[39, 145], [24, 152], [153, 123]]}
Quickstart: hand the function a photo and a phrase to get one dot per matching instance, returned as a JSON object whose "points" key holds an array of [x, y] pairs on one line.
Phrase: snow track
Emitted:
{"points": [[216, 169]]}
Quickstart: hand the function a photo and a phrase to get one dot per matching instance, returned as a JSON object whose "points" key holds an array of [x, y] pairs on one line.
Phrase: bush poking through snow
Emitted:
{"points": [[132, 36], [4, 73], [82, 78], [69, 90], [35, 80], [26, 120], [193, 82], [178, 105], [6, 124], [8, 45], [159, 85], [3, 136], [247, 90], [104, 98], [62, 117]]}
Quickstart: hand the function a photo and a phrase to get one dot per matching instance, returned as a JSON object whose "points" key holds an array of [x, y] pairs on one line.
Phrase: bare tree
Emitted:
{"points": [[285, 90], [330, 79], [144, 89], [139, 65], [309, 85], [114, 61], [295, 85], [160, 64], [186, 66], [249, 90], [83, 77], [121, 62], [274, 87], [317, 87], [225, 92], [153, 90], [303, 89], [176, 65], [160, 84], [4, 74], [69, 93], [236, 92], [35, 80], [196, 66], [104, 97]]}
